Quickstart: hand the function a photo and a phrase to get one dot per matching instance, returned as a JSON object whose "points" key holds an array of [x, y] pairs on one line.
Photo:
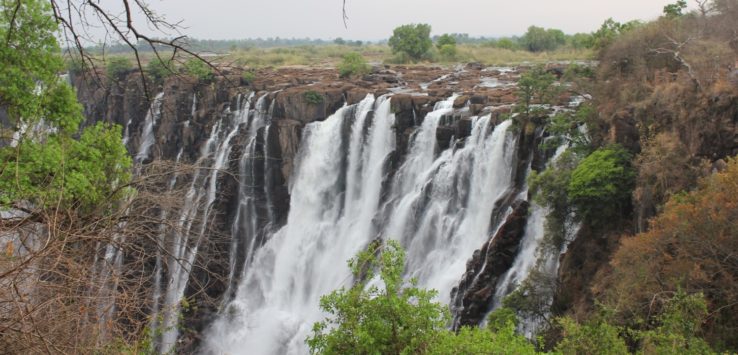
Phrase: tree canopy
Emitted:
{"points": [[413, 40]]}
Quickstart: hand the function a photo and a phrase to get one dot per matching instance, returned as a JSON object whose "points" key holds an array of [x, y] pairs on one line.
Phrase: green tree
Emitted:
{"points": [[499, 338], [117, 67], [593, 337], [675, 10], [48, 162], [364, 319], [534, 86], [445, 39], [353, 64], [609, 31], [158, 70], [601, 186], [198, 69], [538, 39], [679, 324], [413, 40]]}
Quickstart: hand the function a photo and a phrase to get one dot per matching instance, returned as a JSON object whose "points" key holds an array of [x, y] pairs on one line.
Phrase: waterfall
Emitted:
{"points": [[342, 197], [276, 302], [147, 136], [531, 255], [249, 222], [195, 217], [445, 215]]}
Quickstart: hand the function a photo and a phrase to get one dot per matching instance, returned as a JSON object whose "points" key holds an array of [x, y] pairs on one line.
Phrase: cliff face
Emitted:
{"points": [[196, 114]]}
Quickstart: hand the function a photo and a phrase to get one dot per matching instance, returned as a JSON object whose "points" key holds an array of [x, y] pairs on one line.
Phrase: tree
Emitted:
{"points": [[675, 10], [353, 64], [397, 319], [538, 39], [534, 86], [413, 40], [79, 233], [690, 246], [445, 39], [601, 185], [366, 319]]}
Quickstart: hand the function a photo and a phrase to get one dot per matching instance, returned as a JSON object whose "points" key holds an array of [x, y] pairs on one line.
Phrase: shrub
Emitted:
{"points": [[448, 51], [198, 69], [353, 64], [158, 70], [117, 67], [445, 39], [368, 319], [600, 187], [313, 97], [247, 77], [538, 39], [414, 40]]}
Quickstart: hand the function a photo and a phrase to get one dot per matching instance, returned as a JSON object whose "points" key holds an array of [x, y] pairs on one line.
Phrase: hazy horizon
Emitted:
{"points": [[373, 21]]}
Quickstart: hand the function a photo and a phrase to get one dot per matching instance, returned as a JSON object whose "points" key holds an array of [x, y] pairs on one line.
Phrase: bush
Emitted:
{"points": [[366, 319], [198, 69], [690, 246], [444, 40], [353, 64], [414, 40], [159, 70], [313, 97], [538, 39], [448, 51], [601, 186], [248, 77], [117, 67]]}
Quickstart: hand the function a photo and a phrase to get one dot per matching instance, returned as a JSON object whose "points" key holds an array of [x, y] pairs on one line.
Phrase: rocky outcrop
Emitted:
{"points": [[472, 299]]}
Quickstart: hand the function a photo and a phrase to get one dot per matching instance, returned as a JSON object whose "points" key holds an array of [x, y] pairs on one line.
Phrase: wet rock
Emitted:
{"points": [[473, 297]]}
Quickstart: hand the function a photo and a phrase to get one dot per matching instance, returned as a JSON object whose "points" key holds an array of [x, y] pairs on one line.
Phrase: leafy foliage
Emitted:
{"points": [[117, 67], [313, 97], [593, 337], [675, 10], [690, 246], [353, 64], [534, 86], [29, 61], [199, 69], [159, 70], [367, 319], [538, 39], [413, 39], [500, 338], [601, 185], [46, 164], [609, 31], [445, 39]]}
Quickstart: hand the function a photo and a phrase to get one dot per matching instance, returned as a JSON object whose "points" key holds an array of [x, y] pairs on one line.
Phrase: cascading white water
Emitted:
{"points": [[439, 207], [446, 214], [247, 228], [276, 302], [147, 136], [531, 255], [196, 213]]}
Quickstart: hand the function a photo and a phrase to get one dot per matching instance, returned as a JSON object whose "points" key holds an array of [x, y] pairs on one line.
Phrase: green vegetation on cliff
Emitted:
{"points": [[49, 163]]}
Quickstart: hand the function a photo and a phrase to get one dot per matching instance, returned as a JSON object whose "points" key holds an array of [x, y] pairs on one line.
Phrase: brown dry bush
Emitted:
{"points": [[692, 246], [59, 293]]}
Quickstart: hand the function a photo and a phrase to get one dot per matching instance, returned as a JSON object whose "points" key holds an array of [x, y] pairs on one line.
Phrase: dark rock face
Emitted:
{"points": [[472, 299]]}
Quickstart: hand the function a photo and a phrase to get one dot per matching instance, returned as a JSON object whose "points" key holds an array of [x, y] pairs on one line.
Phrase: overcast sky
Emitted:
{"points": [[375, 19]]}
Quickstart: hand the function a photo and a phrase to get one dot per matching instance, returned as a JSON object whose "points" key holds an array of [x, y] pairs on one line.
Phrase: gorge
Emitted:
{"points": [[285, 190]]}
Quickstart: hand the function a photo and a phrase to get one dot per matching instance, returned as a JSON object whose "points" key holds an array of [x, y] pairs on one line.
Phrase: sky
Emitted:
{"points": [[375, 19]]}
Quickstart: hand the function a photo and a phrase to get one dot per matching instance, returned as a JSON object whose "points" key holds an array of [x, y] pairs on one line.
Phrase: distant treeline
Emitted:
{"points": [[536, 39]]}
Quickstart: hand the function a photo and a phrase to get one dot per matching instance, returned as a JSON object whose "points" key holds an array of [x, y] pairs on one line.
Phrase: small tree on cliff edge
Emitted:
{"points": [[414, 40]]}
